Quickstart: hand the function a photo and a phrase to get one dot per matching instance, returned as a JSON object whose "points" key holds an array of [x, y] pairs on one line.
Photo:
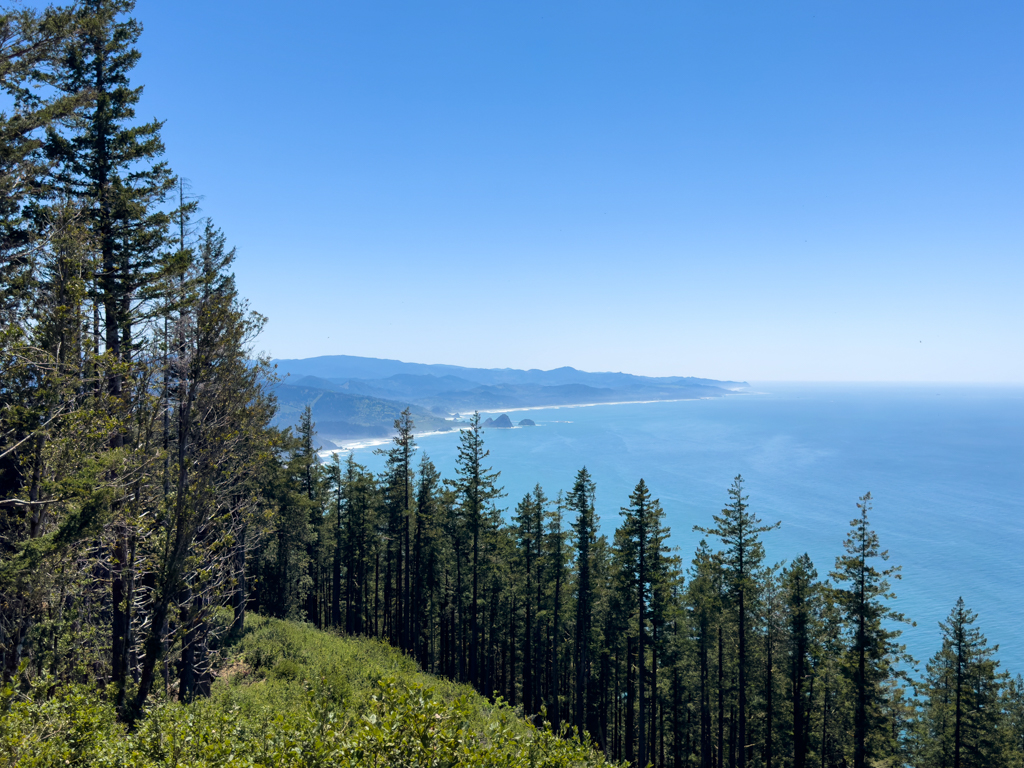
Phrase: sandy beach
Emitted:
{"points": [[355, 445], [457, 426]]}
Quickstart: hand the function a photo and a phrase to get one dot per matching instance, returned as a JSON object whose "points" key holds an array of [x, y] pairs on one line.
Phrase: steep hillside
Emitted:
{"points": [[340, 416], [286, 694]]}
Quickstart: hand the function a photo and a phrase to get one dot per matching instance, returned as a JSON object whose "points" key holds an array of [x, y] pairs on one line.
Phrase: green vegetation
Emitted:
{"points": [[149, 510], [340, 415], [287, 695]]}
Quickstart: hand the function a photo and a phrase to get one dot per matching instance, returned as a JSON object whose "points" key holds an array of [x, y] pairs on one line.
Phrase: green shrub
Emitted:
{"points": [[294, 697], [286, 669]]}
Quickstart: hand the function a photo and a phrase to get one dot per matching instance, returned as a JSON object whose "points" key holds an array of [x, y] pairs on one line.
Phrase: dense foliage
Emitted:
{"points": [[287, 695], [143, 490]]}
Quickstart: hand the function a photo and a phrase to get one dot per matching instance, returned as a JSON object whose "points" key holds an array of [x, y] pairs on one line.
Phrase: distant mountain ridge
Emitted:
{"points": [[352, 367], [359, 397]]}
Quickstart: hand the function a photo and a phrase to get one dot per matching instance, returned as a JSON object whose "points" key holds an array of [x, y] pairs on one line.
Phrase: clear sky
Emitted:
{"points": [[827, 190]]}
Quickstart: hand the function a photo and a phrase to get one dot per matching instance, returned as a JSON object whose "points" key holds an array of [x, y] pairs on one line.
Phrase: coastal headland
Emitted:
{"points": [[356, 399]]}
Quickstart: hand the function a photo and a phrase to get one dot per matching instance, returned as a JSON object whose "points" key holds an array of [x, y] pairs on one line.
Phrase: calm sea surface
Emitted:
{"points": [[945, 465]]}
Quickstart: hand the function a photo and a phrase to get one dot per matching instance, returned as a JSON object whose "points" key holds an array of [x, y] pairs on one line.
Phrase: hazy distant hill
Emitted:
{"points": [[346, 367], [355, 397], [340, 416]]}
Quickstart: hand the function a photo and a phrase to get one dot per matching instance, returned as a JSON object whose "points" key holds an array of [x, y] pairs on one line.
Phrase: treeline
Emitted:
{"points": [[725, 661], [142, 488]]}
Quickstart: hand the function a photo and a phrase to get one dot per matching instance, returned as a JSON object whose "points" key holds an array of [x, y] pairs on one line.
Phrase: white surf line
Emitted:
{"points": [[347, 447], [461, 425]]}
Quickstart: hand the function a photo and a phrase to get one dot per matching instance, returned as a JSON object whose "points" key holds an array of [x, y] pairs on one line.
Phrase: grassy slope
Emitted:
{"points": [[288, 695]]}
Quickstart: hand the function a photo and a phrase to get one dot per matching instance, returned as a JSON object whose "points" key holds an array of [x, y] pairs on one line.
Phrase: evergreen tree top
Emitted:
{"points": [[740, 532]]}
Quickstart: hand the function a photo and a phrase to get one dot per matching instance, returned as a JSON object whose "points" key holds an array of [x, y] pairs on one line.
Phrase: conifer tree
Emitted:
{"points": [[802, 595], [581, 502], [425, 559], [861, 592], [832, 723], [284, 558], [32, 44], [335, 530], [556, 573], [110, 165], [772, 622], [222, 414], [309, 474], [361, 501], [704, 598], [477, 488], [50, 439], [599, 686], [397, 486], [640, 541], [740, 532], [962, 717], [1013, 705], [529, 521]]}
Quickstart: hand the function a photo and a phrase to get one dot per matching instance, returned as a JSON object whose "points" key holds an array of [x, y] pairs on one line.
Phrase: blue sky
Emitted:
{"points": [[762, 191]]}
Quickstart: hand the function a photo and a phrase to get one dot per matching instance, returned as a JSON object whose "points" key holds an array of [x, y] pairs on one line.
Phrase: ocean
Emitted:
{"points": [[944, 464]]}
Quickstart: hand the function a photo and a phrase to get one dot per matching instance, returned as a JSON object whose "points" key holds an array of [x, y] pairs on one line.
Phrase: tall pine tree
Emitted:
{"points": [[477, 488], [962, 718], [862, 594], [740, 532]]}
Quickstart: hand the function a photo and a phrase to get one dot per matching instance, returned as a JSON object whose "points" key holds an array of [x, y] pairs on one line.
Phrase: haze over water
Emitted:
{"points": [[945, 465]]}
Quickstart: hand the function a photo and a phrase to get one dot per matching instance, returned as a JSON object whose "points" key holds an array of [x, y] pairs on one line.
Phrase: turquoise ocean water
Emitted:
{"points": [[945, 465]]}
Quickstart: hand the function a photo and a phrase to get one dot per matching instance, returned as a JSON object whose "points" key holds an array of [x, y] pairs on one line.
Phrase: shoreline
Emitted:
{"points": [[370, 442], [458, 426]]}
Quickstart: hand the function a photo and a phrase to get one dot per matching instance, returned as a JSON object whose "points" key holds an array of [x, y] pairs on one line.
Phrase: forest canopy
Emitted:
{"points": [[145, 495]]}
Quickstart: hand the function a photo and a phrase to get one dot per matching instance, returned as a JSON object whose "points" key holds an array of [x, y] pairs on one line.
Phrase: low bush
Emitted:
{"points": [[286, 695]]}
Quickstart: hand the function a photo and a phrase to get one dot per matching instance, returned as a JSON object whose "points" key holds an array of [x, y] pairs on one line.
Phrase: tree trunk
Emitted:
{"points": [[376, 596], [189, 654], [556, 686], [799, 738], [630, 699], [742, 725], [720, 755], [512, 654], [121, 614], [824, 722], [677, 696], [641, 658], [732, 738], [240, 595], [528, 644], [336, 587], [958, 712], [768, 705], [151, 654], [409, 608], [705, 702]]}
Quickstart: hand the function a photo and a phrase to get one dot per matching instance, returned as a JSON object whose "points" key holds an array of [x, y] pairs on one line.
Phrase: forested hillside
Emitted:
{"points": [[341, 416], [335, 385], [148, 506]]}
